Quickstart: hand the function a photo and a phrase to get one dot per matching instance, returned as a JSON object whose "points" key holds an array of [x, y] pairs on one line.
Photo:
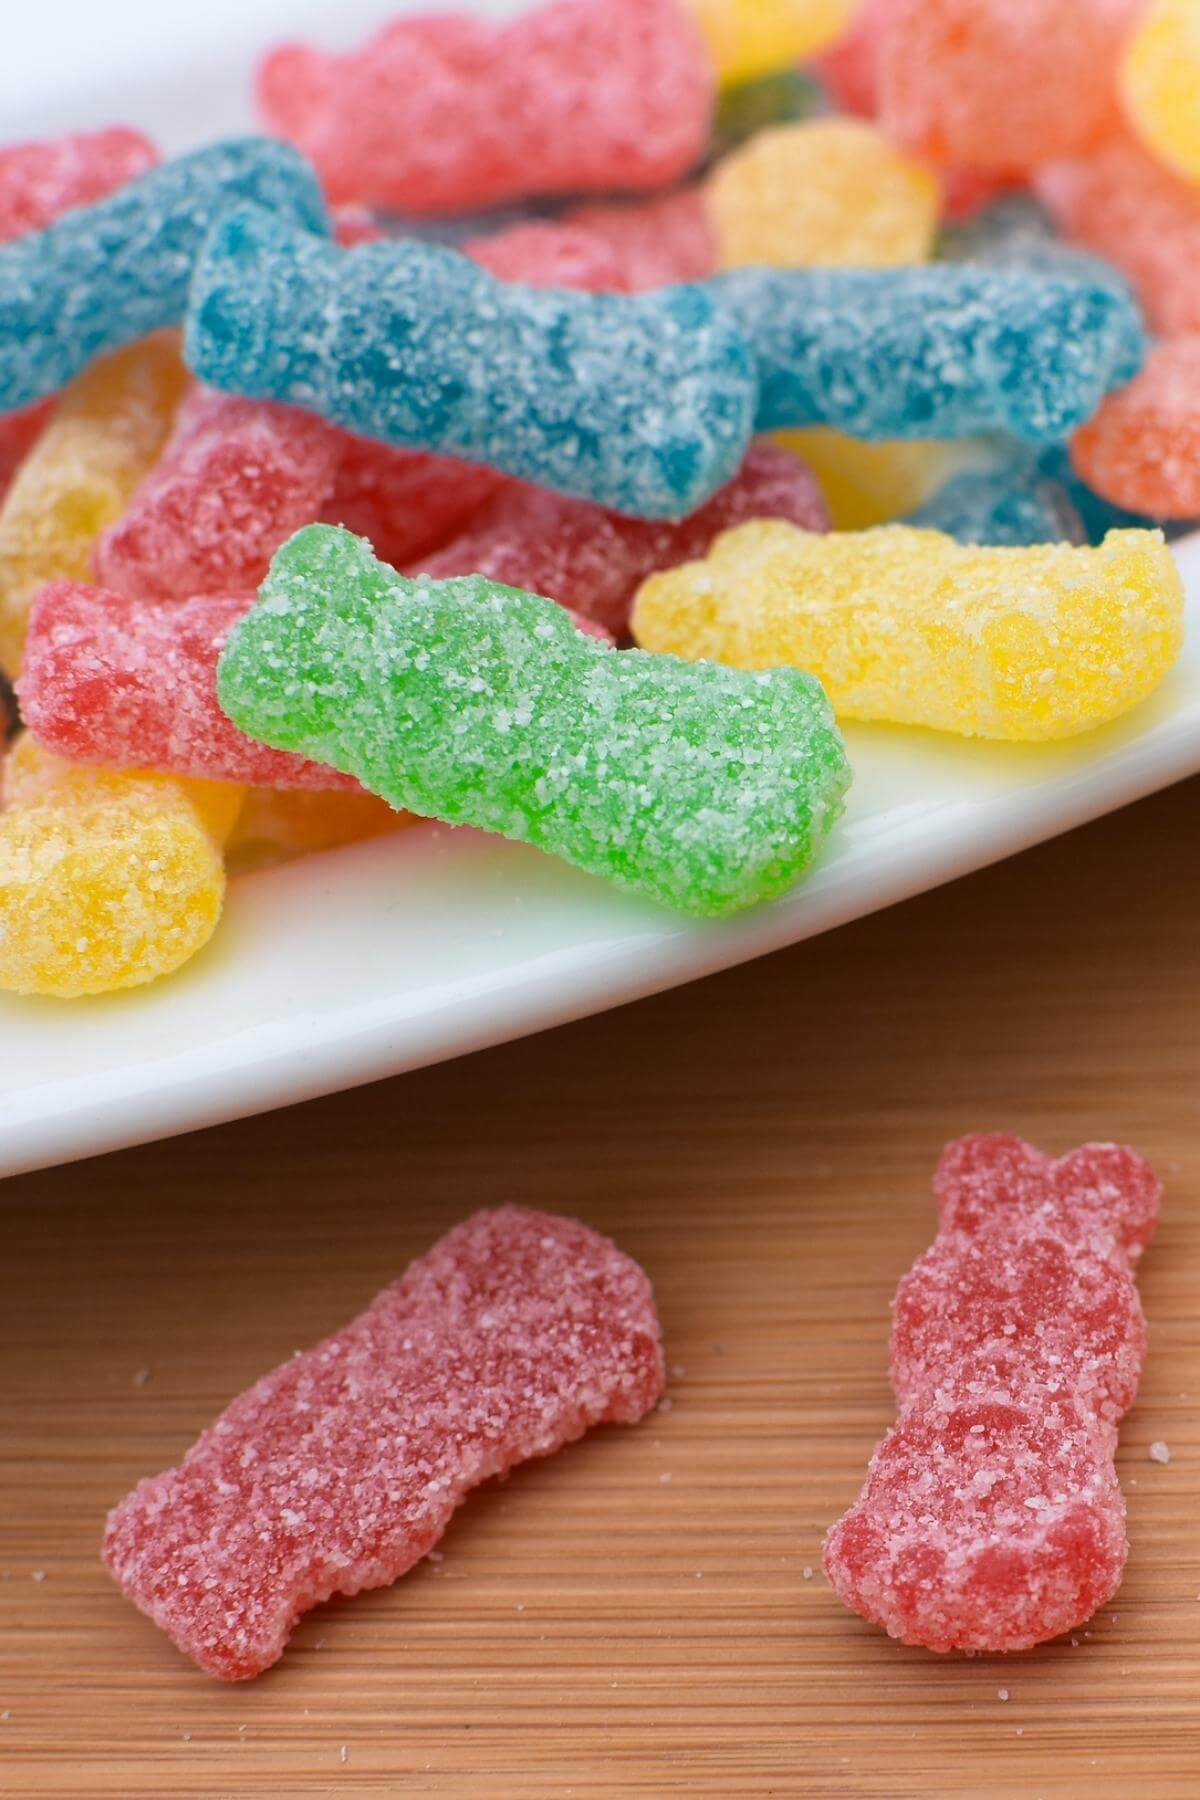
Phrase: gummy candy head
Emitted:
{"points": [[1087, 338], [1103, 1189]]}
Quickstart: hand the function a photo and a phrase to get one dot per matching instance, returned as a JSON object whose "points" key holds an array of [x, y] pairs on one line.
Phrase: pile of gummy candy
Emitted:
{"points": [[574, 419]]}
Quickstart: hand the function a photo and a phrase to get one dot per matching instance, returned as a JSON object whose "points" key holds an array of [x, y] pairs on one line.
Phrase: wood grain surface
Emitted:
{"points": [[643, 1614]]}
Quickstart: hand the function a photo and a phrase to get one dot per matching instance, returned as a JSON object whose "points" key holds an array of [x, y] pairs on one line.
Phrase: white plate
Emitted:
{"points": [[379, 958]]}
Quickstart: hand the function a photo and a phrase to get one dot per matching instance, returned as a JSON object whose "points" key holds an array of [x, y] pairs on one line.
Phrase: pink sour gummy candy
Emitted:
{"points": [[132, 684], [593, 561], [991, 1517], [544, 253], [237, 477], [999, 84], [441, 113], [43, 178], [341, 1469], [660, 241], [1141, 449]]}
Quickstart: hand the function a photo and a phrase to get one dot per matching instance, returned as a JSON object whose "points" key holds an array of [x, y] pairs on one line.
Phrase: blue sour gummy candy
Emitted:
{"points": [[1011, 502], [943, 351], [103, 275], [704, 787], [642, 403]]}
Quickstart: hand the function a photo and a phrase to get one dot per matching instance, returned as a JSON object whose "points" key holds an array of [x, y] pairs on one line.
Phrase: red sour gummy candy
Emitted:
{"points": [[236, 478], [659, 241], [1141, 450], [41, 179], [132, 684], [441, 113], [991, 1517], [593, 561], [17, 432], [999, 84], [542, 253], [342, 1468]]}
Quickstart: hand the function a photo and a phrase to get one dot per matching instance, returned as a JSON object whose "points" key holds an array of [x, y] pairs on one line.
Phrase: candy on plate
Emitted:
{"points": [[1142, 448], [1012, 501], [516, 1333], [102, 275], [47, 176], [441, 113], [909, 627], [991, 1517], [639, 402], [700, 787]]}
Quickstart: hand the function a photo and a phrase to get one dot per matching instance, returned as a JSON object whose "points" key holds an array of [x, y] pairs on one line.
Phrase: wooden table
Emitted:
{"points": [[643, 1614]]}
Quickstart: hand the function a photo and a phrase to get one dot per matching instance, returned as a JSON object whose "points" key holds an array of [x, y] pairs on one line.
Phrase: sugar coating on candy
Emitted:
{"points": [[131, 683], [593, 561], [443, 113], [824, 192], [659, 241], [1121, 203], [107, 880], [544, 253], [47, 176], [944, 352], [516, 1333], [909, 627], [236, 478], [991, 1517], [1011, 502], [80, 474], [18, 431], [102, 275], [872, 483], [1160, 83], [1142, 449], [353, 224], [404, 502], [999, 84], [277, 825], [640, 402], [704, 788], [747, 38]]}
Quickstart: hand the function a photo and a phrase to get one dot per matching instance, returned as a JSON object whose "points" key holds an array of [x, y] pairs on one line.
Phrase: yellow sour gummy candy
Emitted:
{"points": [[747, 38], [872, 483], [1160, 83], [105, 434], [107, 879], [912, 628], [823, 193]]}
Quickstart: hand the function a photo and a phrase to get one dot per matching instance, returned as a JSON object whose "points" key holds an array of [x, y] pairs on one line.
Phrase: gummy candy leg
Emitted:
{"points": [[102, 438], [106, 880]]}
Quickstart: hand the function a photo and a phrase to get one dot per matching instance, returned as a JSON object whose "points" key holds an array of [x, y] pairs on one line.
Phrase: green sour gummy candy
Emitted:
{"points": [[707, 788]]}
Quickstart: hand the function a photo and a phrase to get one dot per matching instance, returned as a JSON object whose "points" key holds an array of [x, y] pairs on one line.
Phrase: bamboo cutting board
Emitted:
{"points": [[643, 1614]]}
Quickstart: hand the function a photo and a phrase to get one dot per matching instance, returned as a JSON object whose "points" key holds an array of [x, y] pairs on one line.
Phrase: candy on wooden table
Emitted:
{"points": [[593, 561], [47, 176], [944, 352], [444, 113], [1160, 83], [516, 1333], [1121, 203], [131, 683], [277, 825], [999, 84], [546, 253], [1010, 502], [991, 1517], [825, 192], [748, 38], [1142, 449], [102, 275], [107, 880], [640, 402], [871, 483], [236, 478], [909, 627], [779, 98], [102, 438], [661, 240], [703, 788]]}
